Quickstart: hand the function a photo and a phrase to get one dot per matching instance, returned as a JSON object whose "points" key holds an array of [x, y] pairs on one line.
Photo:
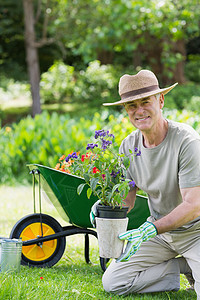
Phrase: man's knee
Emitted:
{"points": [[112, 285], [107, 283]]}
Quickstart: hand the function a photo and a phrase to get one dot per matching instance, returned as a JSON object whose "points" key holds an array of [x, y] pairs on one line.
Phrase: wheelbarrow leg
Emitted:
{"points": [[103, 262], [87, 247]]}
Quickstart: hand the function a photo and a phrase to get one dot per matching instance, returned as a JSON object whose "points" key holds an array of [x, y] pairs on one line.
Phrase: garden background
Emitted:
{"points": [[60, 60]]}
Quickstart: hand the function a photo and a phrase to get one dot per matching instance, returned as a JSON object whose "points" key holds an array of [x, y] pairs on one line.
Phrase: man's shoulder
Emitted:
{"points": [[130, 142], [182, 129], [134, 135]]}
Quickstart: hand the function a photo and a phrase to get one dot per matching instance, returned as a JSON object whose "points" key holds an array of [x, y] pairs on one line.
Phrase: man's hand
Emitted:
{"points": [[135, 238], [93, 213]]}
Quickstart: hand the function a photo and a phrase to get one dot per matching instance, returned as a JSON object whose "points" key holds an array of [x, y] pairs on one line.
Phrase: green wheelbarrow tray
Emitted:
{"points": [[61, 190]]}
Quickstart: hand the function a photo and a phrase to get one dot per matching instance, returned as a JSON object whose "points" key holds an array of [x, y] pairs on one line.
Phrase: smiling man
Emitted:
{"points": [[168, 243]]}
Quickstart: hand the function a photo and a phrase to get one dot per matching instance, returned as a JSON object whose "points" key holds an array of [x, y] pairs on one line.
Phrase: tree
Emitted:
{"points": [[32, 45], [154, 31]]}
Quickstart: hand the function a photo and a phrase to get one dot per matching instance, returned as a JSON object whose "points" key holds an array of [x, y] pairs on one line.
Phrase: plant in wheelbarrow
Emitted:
{"points": [[104, 171]]}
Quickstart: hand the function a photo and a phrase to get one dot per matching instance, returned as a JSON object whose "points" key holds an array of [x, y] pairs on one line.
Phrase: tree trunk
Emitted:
{"points": [[179, 72], [32, 56], [105, 56]]}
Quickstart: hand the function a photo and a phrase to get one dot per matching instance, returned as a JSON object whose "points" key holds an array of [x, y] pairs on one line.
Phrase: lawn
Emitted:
{"points": [[71, 278]]}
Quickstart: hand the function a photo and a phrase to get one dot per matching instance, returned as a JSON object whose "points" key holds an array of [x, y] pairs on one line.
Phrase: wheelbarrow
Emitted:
{"points": [[44, 239]]}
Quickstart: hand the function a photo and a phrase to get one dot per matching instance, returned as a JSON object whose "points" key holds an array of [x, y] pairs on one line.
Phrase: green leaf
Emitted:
{"points": [[118, 199], [89, 192], [115, 187], [107, 177], [93, 183], [86, 177], [126, 162], [80, 188], [97, 164]]}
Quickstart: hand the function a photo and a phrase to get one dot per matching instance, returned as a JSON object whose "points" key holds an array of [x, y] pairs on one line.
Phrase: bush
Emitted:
{"points": [[192, 68], [181, 96], [57, 84], [96, 84], [44, 139], [11, 89]]}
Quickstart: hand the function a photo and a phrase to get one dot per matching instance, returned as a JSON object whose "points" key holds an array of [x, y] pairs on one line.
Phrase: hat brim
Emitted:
{"points": [[141, 96]]}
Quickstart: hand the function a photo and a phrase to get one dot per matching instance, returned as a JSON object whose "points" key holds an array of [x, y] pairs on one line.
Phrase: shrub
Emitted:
{"points": [[96, 84], [57, 84], [44, 139], [11, 89], [181, 96], [192, 68]]}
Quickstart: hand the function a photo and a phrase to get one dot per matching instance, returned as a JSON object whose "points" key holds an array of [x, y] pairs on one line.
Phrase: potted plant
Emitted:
{"points": [[104, 171]]}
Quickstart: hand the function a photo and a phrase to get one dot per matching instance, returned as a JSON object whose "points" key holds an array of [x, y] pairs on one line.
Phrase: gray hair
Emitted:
{"points": [[157, 96]]}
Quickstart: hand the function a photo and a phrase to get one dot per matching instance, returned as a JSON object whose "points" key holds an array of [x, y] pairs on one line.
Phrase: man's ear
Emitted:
{"points": [[162, 100]]}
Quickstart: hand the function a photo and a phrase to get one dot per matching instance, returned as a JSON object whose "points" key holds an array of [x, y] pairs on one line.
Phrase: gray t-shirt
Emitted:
{"points": [[163, 170]]}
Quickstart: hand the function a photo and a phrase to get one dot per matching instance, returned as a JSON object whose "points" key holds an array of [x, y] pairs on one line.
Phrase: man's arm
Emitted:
{"points": [[182, 214], [130, 199]]}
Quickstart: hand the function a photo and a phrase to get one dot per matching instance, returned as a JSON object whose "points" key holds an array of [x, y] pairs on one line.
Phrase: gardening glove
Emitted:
{"points": [[135, 238], [93, 213]]}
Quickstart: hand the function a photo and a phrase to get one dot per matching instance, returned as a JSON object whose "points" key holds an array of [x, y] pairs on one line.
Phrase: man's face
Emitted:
{"points": [[145, 113]]}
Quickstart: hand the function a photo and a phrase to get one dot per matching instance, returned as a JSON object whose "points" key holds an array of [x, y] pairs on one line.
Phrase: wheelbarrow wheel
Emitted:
{"points": [[45, 254]]}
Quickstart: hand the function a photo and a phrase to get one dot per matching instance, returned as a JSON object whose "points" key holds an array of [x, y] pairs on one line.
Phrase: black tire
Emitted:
{"points": [[56, 250]]}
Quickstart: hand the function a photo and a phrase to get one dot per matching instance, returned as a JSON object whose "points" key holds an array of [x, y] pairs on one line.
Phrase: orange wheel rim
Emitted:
{"points": [[35, 252]]}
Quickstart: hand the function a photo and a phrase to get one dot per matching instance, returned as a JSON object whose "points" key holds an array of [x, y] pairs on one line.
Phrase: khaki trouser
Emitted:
{"points": [[154, 268]]}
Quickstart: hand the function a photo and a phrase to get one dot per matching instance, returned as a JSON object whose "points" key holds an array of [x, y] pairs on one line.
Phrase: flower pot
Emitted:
{"points": [[110, 212], [110, 223]]}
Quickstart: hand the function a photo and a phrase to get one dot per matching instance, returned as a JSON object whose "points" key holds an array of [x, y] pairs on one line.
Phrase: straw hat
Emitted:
{"points": [[143, 84]]}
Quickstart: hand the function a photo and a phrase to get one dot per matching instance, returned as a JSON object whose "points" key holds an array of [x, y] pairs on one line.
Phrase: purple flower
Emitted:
{"points": [[132, 184], [91, 146], [102, 133], [114, 174], [137, 151], [105, 144], [73, 155], [99, 133], [104, 137], [68, 158]]}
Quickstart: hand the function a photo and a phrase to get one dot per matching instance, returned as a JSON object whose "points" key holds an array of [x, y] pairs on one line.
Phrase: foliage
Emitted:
{"points": [[43, 139], [183, 97], [10, 89], [58, 83], [122, 32], [98, 84], [147, 32], [103, 169], [95, 85], [192, 68]]}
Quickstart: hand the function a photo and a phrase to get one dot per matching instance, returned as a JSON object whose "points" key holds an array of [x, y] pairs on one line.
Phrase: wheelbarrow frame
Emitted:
{"points": [[79, 224]]}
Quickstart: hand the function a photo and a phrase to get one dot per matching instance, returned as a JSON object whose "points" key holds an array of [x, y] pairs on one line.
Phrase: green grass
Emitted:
{"points": [[71, 278]]}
